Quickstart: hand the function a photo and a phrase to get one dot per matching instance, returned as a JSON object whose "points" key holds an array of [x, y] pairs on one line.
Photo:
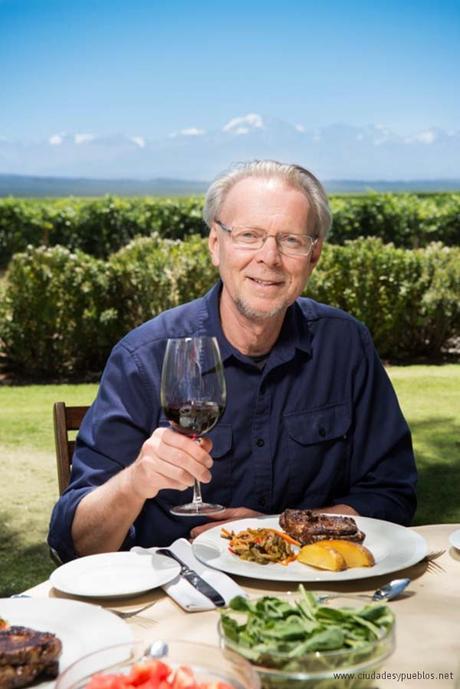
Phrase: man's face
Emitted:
{"points": [[262, 283]]}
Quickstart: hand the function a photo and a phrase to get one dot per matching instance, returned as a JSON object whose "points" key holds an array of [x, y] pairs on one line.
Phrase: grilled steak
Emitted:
{"points": [[26, 654], [307, 526]]}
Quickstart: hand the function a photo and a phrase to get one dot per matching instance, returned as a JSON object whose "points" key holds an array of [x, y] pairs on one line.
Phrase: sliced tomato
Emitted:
{"points": [[184, 678], [107, 682], [150, 673], [164, 684]]}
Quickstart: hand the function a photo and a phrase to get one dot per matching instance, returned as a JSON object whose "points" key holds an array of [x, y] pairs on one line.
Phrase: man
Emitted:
{"points": [[311, 419]]}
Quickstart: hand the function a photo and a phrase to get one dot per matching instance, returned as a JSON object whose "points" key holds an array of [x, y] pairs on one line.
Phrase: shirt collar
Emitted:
{"points": [[294, 334], [209, 320]]}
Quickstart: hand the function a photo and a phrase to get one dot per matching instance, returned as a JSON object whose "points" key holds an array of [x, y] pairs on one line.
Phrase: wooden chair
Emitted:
{"points": [[65, 419]]}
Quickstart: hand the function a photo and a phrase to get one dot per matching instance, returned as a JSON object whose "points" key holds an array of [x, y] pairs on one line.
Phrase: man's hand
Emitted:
{"points": [[169, 460], [228, 515]]}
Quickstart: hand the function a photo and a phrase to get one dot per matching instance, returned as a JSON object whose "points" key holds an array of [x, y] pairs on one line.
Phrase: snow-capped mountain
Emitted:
{"points": [[334, 151]]}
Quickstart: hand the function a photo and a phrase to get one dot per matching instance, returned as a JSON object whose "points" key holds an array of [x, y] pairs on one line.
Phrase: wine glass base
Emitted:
{"points": [[196, 509]]}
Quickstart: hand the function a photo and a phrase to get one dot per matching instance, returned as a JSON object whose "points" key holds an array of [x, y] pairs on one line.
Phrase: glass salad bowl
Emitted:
{"points": [[294, 642]]}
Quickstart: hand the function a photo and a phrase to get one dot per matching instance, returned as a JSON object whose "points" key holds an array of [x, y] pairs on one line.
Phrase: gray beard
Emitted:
{"points": [[255, 315]]}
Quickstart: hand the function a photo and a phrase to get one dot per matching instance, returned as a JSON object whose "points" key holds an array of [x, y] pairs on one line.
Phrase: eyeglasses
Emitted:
{"points": [[288, 243]]}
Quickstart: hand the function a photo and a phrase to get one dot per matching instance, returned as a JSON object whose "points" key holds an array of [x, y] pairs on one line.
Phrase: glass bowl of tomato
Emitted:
{"points": [[145, 665]]}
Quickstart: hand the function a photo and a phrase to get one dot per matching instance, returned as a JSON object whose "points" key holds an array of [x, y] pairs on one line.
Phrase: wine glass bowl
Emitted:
{"points": [[193, 395]]}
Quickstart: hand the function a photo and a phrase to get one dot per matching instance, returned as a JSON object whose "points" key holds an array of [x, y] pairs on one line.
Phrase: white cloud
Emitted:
{"points": [[83, 138], [139, 141], [192, 131], [382, 134], [188, 131], [299, 127], [56, 139], [426, 137], [238, 124]]}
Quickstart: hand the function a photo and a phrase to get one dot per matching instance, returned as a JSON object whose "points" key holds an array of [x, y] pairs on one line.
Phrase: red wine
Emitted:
{"points": [[193, 418]]}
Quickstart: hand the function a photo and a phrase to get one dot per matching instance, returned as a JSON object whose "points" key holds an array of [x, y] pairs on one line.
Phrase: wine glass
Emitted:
{"points": [[193, 397]]}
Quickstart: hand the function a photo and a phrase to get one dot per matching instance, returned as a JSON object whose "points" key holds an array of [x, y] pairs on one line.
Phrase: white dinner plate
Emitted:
{"points": [[114, 575], [81, 627], [454, 538], [393, 547]]}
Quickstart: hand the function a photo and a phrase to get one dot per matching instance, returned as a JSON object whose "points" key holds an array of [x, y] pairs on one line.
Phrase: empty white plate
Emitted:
{"points": [[110, 575], [454, 538]]}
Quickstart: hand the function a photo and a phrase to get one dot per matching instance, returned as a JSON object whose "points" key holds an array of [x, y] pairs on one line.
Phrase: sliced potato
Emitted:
{"points": [[322, 557], [354, 554]]}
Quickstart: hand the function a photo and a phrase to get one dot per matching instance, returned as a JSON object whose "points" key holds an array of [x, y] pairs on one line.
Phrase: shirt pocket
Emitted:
{"points": [[318, 449]]}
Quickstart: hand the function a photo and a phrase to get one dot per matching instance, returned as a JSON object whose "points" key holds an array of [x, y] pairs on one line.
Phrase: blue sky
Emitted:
{"points": [[148, 67]]}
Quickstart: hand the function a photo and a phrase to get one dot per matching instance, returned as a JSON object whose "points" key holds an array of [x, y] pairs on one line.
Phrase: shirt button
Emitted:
{"points": [[260, 442], [322, 431]]}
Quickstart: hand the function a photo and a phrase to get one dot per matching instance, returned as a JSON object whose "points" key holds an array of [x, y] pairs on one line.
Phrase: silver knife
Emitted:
{"points": [[194, 579]]}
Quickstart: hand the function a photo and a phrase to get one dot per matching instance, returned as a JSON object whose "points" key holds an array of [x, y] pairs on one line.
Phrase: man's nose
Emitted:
{"points": [[269, 251]]}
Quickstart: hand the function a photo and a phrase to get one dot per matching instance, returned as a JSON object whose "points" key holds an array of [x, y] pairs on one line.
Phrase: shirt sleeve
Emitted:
{"points": [[383, 474], [112, 433]]}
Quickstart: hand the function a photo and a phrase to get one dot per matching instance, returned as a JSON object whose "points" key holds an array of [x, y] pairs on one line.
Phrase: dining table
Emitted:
{"points": [[427, 650]]}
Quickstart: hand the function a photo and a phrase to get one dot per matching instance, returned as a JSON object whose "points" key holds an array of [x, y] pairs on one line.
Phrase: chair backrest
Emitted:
{"points": [[65, 419]]}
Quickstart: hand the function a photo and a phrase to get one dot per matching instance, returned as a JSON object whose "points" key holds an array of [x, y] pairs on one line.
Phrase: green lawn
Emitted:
{"points": [[28, 486], [429, 396]]}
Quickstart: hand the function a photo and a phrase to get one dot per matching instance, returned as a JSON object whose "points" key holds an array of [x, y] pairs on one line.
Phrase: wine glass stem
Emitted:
{"points": [[197, 499]]}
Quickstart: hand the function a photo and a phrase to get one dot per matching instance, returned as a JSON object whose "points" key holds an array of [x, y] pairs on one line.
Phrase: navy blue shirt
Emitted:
{"points": [[318, 424]]}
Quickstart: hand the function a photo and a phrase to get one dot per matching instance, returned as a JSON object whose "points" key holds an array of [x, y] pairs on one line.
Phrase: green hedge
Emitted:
{"points": [[56, 319], [409, 299], [97, 227], [101, 227], [62, 311], [405, 220]]}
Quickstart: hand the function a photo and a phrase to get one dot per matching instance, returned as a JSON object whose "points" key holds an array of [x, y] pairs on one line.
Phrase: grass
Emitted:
{"points": [[28, 486], [429, 397]]}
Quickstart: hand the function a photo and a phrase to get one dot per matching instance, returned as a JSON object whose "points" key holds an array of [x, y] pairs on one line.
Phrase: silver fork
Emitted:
{"points": [[432, 565], [126, 614]]}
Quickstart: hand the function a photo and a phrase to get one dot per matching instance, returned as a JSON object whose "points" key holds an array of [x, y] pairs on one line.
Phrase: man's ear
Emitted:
{"points": [[213, 245], [316, 253]]}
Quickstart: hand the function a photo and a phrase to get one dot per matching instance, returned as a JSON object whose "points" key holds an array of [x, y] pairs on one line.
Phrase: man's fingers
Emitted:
{"points": [[206, 444], [172, 441], [170, 460], [196, 463]]}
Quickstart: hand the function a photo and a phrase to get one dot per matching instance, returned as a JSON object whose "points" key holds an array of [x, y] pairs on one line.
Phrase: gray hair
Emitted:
{"points": [[294, 175]]}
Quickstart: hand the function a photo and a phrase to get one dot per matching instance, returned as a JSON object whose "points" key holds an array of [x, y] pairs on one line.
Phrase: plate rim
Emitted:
{"points": [[323, 576], [55, 576]]}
